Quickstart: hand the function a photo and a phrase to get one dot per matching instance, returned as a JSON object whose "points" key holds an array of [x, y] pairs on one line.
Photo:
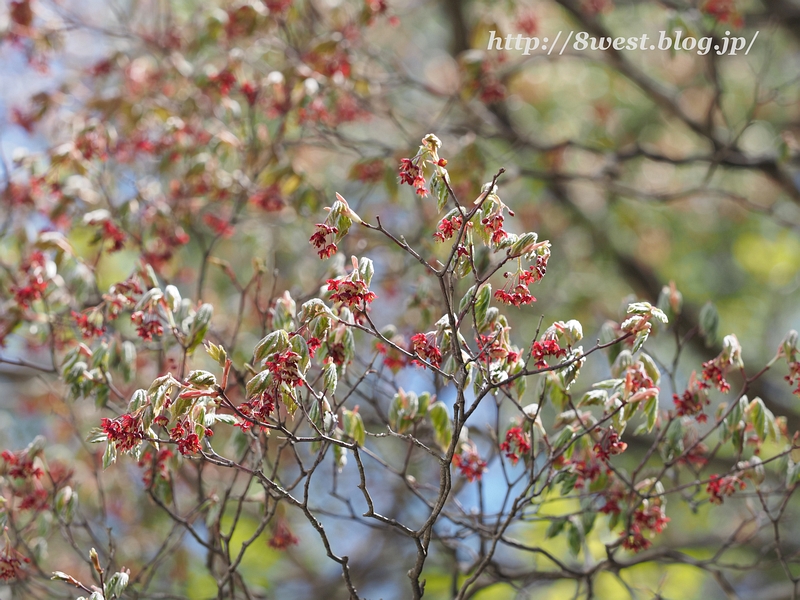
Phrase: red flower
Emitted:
{"points": [[609, 445], [469, 463], [220, 226], [691, 404], [282, 536], [11, 563], [424, 346], [723, 486], [285, 369], [411, 173], [323, 240], [224, 80], [713, 373], [519, 296], [269, 198], [188, 441], [147, 326], [313, 345], [89, 329], [448, 228], [517, 444], [493, 222], [250, 92], [125, 432], [546, 348], [724, 11], [350, 292]]}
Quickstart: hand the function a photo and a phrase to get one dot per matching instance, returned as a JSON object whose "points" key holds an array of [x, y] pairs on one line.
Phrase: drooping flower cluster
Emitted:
{"points": [[447, 228], [90, 323], [713, 373], [649, 517], [719, 487], [392, 357], [35, 283], [147, 324], [25, 477], [350, 292], [284, 368], [514, 295], [336, 225], [544, 348], [282, 536], [187, 440], [723, 11], [424, 345], [257, 409], [609, 445], [155, 469], [269, 199], [323, 240], [412, 170], [517, 444], [469, 462], [692, 401], [125, 432], [12, 564], [714, 370]]}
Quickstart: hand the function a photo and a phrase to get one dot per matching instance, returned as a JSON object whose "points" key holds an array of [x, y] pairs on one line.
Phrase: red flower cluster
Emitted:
{"points": [[517, 444], [258, 409], [448, 228], [224, 80], [218, 225], [493, 222], [282, 536], [250, 92], [159, 468], [649, 518], [89, 328], [268, 199], [610, 445], [313, 345], [350, 292], [424, 346], [26, 485], [723, 486], [368, 172], [411, 174], [794, 376], [586, 471], [519, 296], [469, 463], [320, 240], [544, 348], [695, 455], [188, 441], [285, 368], [11, 561], [35, 286], [636, 378], [713, 373], [147, 325], [20, 465], [691, 403], [536, 272], [724, 11], [393, 359], [113, 233], [125, 431]]}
